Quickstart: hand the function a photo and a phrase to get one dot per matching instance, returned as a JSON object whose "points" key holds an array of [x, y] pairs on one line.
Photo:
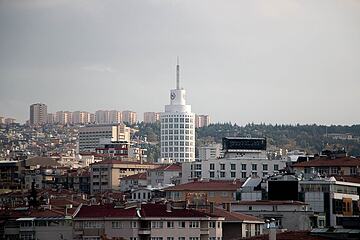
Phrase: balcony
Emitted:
{"points": [[144, 231], [204, 231]]}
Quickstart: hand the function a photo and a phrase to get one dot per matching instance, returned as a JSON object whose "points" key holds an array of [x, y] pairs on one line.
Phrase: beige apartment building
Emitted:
{"points": [[202, 121], [151, 117], [146, 222], [129, 117], [38, 114], [106, 175]]}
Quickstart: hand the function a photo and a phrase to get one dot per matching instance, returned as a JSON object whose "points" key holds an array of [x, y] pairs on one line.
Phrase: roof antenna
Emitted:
{"points": [[177, 73]]}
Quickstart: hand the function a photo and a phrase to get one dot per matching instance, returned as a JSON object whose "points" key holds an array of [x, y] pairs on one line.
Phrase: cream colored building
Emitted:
{"points": [[106, 175], [151, 117], [90, 135], [129, 117], [202, 121]]}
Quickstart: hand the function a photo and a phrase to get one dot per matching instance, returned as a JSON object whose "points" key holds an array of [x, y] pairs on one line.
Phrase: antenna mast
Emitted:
{"points": [[177, 74]]}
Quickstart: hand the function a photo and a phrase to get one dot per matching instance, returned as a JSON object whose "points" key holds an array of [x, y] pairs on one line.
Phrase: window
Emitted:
{"points": [[254, 167], [248, 230], [257, 229], [265, 167], [212, 224], [156, 238], [243, 175], [233, 174], [133, 224], [170, 238], [193, 238], [194, 224], [219, 224], [211, 194], [224, 194], [222, 174], [156, 224], [222, 166], [212, 166], [212, 174], [233, 166], [276, 167], [181, 238], [182, 224], [170, 224], [243, 167], [116, 224]]}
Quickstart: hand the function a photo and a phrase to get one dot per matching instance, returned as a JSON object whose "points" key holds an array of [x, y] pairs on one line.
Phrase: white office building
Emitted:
{"points": [[178, 127], [243, 158], [91, 136]]}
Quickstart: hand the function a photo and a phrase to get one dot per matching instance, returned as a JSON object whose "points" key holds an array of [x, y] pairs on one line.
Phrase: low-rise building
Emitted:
{"points": [[133, 181], [202, 192], [146, 221], [106, 175], [291, 215], [164, 175]]}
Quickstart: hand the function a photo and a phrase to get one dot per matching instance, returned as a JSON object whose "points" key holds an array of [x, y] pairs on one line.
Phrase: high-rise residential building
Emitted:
{"points": [[90, 136], [202, 121], [50, 118], [178, 127], [81, 117], [129, 117], [63, 117], [102, 117], [115, 116], [151, 117], [38, 114]]}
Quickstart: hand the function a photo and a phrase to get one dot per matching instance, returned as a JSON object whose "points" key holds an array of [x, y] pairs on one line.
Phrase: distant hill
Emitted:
{"points": [[311, 138]]}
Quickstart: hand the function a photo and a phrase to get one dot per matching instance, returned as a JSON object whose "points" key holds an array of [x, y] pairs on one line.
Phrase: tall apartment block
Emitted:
{"points": [[202, 121], [129, 117], [107, 117], [151, 117], [90, 136], [38, 114], [178, 127]]}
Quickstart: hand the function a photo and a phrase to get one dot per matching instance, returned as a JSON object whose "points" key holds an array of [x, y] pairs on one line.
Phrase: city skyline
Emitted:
{"points": [[282, 62]]}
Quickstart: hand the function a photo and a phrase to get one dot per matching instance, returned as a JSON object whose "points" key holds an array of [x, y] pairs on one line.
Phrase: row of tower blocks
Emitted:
{"points": [[39, 115], [178, 124]]}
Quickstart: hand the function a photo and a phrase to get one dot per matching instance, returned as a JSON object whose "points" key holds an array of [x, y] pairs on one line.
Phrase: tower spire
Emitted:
{"points": [[177, 73]]}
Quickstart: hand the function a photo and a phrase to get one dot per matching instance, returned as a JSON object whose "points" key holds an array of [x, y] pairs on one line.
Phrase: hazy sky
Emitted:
{"points": [[273, 61]]}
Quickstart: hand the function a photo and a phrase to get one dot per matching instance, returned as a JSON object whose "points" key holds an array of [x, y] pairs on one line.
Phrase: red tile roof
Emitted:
{"points": [[211, 185], [149, 210], [139, 176], [235, 216], [346, 178], [299, 235], [172, 167], [326, 162]]}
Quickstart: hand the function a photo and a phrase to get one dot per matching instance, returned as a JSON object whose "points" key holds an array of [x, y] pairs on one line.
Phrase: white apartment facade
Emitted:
{"points": [[212, 151]]}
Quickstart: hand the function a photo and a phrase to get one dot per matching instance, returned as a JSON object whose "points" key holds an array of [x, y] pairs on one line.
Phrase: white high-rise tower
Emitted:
{"points": [[178, 126]]}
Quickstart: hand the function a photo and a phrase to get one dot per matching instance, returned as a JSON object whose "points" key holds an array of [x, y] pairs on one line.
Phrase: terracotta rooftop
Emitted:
{"points": [[235, 216], [346, 178], [41, 161], [150, 210], [299, 235], [138, 176], [327, 162], [210, 185], [172, 167]]}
